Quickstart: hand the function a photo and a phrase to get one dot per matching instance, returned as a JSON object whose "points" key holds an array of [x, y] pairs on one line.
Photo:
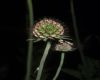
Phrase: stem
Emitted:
{"points": [[78, 39], [60, 66], [30, 44], [46, 51], [76, 33]]}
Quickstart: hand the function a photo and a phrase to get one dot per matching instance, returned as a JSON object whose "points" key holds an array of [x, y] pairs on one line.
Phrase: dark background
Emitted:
{"points": [[14, 30]]}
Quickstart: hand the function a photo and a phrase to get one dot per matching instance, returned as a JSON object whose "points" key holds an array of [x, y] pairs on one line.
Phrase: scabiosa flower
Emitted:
{"points": [[48, 29], [64, 46]]}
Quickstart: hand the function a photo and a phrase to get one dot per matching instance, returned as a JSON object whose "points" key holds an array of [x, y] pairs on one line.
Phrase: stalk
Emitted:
{"points": [[60, 66], [46, 51], [30, 43], [76, 33], [78, 39]]}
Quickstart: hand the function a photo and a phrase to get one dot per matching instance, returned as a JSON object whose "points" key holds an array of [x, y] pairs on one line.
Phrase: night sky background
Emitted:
{"points": [[14, 32]]}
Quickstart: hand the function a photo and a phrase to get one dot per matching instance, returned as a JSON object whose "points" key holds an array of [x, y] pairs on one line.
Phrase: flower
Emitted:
{"points": [[48, 29], [64, 46]]}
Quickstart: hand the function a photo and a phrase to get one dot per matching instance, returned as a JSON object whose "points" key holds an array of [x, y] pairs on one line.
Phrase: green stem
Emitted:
{"points": [[30, 43], [78, 39], [43, 60], [60, 66], [76, 33]]}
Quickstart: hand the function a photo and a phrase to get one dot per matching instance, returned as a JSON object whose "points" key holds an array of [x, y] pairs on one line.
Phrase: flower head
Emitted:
{"points": [[64, 46], [48, 29]]}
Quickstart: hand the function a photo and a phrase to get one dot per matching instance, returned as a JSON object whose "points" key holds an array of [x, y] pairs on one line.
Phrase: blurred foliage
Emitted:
{"points": [[92, 70]]}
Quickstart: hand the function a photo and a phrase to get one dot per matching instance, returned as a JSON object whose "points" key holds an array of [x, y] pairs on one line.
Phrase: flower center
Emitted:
{"points": [[50, 28]]}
